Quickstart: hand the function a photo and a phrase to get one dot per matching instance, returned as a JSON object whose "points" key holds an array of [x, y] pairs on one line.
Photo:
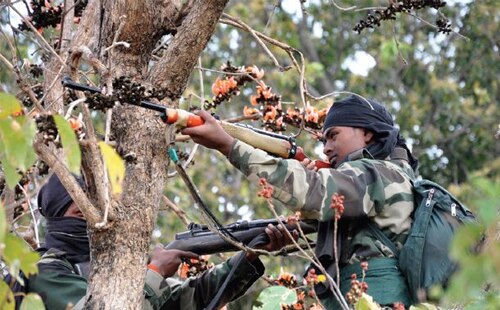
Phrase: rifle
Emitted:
{"points": [[273, 143], [200, 240]]}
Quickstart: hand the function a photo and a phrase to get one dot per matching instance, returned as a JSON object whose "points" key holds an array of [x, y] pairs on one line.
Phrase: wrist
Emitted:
{"points": [[227, 146]]}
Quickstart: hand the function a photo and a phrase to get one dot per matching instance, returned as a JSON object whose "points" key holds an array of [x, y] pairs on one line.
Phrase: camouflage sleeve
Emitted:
{"points": [[366, 184], [197, 292]]}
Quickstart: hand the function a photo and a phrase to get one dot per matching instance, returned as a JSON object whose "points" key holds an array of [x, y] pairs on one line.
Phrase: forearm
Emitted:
{"points": [[197, 292], [297, 188]]}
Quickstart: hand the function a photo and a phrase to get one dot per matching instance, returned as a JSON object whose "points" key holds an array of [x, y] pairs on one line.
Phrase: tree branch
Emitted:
{"points": [[75, 191], [172, 71]]}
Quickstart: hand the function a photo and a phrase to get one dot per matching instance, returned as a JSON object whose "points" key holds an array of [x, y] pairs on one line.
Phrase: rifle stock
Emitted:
{"points": [[200, 240]]}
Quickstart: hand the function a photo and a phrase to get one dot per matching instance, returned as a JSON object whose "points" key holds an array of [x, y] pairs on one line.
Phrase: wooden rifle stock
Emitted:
{"points": [[200, 240], [278, 145]]}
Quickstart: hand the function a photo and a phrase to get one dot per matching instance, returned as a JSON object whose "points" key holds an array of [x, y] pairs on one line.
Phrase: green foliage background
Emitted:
{"points": [[443, 90]]}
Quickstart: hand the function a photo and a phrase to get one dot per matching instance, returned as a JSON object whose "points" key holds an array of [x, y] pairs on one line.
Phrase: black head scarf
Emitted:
{"points": [[355, 111], [68, 234]]}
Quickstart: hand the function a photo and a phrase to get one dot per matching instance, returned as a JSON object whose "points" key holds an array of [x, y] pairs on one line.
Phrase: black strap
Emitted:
{"points": [[259, 240], [375, 230]]}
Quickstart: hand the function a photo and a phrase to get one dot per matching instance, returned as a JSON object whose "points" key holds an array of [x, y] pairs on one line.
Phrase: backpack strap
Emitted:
{"points": [[375, 230]]}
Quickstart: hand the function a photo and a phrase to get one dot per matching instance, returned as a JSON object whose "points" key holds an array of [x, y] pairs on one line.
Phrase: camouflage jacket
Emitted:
{"points": [[374, 190], [59, 284]]}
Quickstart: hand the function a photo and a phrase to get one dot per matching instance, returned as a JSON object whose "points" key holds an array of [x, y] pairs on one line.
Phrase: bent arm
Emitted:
{"points": [[197, 292], [361, 182]]}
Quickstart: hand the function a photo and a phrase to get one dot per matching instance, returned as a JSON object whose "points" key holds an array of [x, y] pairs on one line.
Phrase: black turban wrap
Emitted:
{"points": [[68, 234], [355, 111]]}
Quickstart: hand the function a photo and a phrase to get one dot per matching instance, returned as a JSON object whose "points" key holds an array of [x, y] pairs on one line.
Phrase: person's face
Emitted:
{"points": [[74, 211], [341, 141]]}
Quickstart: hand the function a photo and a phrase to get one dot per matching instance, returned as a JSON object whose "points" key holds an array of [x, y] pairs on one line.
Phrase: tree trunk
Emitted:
{"points": [[118, 252]]}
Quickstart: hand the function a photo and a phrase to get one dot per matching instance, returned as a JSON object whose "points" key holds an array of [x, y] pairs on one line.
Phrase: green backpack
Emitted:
{"points": [[424, 258]]}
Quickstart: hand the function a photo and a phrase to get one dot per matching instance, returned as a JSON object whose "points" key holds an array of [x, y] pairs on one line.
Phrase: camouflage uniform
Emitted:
{"points": [[59, 284], [375, 190]]}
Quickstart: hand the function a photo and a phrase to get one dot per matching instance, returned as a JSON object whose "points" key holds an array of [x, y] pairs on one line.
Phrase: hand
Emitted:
{"points": [[168, 261], [278, 238], [210, 134], [309, 164]]}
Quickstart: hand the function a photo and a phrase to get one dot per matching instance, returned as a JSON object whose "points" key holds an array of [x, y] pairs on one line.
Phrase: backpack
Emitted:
{"points": [[424, 258]]}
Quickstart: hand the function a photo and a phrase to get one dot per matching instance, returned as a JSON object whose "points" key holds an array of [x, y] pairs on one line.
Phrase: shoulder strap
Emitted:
{"points": [[375, 230], [260, 239]]}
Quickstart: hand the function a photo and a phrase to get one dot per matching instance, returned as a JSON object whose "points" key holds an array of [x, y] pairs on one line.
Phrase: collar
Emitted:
{"points": [[359, 154]]}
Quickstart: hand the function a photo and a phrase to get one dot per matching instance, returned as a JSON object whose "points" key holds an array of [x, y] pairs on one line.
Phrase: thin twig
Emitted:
{"points": [[178, 211], [32, 212], [341, 8], [335, 252], [257, 38], [334, 287]]}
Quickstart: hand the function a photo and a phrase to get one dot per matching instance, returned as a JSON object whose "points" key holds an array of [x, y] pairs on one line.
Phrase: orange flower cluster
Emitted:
{"points": [[17, 113], [287, 280], [270, 106], [224, 89], [356, 291], [193, 267], [293, 219], [247, 111], [337, 205], [314, 118], [311, 278], [267, 189], [77, 126]]}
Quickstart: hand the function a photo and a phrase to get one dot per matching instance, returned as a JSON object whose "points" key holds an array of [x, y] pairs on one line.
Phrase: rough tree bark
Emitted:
{"points": [[119, 248]]}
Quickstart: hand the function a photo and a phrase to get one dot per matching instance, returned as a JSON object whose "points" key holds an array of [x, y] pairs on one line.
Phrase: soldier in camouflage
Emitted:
{"points": [[63, 267], [371, 167]]}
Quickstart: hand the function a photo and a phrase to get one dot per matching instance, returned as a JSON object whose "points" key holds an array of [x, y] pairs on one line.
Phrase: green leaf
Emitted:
{"points": [[16, 151], [114, 165], [6, 297], [17, 254], [272, 297], [11, 175], [366, 303], [8, 105], [70, 144], [32, 301]]}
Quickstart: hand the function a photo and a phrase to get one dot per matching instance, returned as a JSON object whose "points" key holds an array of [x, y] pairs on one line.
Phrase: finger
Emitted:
{"points": [[188, 254], [295, 234], [306, 162], [311, 165], [271, 233], [279, 231]]}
